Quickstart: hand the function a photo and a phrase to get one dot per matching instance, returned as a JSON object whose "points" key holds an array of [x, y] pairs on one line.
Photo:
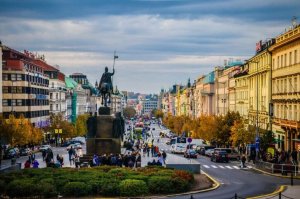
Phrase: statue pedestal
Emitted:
{"points": [[104, 141]]}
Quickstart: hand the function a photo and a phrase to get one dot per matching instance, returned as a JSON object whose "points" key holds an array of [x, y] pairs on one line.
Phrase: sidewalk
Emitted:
{"points": [[292, 192]]}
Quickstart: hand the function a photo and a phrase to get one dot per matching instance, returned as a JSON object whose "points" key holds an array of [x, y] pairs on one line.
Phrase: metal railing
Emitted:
{"points": [[284, 169]]}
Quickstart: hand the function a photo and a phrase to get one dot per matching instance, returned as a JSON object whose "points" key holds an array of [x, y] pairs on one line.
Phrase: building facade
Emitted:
{"points": [[286, 88], [25, 87]]}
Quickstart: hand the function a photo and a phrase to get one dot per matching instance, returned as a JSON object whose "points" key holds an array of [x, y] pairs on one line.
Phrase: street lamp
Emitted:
{"points": [[257, 131]]}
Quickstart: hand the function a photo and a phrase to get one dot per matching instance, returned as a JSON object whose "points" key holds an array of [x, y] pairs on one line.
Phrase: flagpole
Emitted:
{"points": [[115, 57]]}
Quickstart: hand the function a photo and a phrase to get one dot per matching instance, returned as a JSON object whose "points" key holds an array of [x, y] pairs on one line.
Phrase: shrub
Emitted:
{"points": [[109, 187], [160, 184], [21, 188], [47, 190], [133, 188], [180, 185], [183, 175], [60, 183], [138, 177], [2, 187], [76, 189]]}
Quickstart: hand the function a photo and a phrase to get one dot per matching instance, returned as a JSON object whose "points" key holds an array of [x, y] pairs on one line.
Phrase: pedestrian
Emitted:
{"points": [[138, 160], [160, 159], [77, 161], [294, 157], [164, 155], [44, 154], [152, 151], [71, 155], [49, 157], [35, 164], [27, 164], [243, 161]]}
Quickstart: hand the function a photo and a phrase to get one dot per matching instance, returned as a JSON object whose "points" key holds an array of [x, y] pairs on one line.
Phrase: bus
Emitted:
{"points": [[178, 144]]}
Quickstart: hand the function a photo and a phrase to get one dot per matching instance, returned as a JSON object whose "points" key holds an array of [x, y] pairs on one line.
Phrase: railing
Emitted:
{"points": [[284, 169]]}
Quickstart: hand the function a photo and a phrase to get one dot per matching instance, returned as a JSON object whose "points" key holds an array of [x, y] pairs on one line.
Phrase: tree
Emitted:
{"points": [[240, 135], [80, 125], [129, 112], [158, 113]]}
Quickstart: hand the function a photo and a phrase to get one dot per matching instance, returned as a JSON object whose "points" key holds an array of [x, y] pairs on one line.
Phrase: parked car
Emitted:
{"points": [[75, 146], [153, 129], [190, 153], [219, 156], [76, 142], [201, 149], [44, 148], [232, 154], [209, 152], [24, 151], [65, 144]]}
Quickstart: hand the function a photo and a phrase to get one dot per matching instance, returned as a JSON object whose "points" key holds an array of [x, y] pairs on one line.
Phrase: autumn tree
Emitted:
{"points": [[129, 112], [80, 125], [240, 135], [157, 113]]}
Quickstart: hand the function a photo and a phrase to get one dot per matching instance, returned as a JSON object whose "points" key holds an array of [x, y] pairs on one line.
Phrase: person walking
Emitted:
{"points": [[44, 154], [164, 155], [71, 155], [243, 161], [35, 164]]}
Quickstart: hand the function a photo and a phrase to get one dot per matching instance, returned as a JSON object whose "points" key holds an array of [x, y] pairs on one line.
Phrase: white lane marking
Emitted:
{"points": [[213, 166], [228, 167], [206, 166], [236, 167], [221, 167]]}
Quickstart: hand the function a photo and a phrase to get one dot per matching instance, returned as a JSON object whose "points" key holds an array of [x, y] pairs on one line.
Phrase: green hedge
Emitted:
{"points": [[133, 188], [96, 181]]}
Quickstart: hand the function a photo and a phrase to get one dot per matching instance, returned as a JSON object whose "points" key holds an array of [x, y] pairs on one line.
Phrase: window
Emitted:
{"points": [[290, 60], [13, 77], [277, 62], [281, 64], [57, 107], [4, 102], [13, 89], [51, 95], [5, 77], [51, 107], [285, 86], [285, 60], [19, 77], [13, 102], [5, 89], [295, 113], [19, 89], [290, 112], [56, 95], [295, 84], [295, 57], [19, 102]]}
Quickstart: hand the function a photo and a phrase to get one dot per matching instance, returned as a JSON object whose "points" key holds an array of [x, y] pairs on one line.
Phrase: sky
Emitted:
{"points": [[159, 42]]}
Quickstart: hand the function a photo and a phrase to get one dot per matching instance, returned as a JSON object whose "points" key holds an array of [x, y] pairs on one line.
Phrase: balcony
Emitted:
{"points": [[287, 123]]}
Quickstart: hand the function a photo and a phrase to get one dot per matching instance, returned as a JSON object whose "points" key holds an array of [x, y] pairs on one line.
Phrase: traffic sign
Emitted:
{"points": [[190, 140]]}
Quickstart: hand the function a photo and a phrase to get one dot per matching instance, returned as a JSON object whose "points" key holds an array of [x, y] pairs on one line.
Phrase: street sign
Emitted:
{"points": [[190, 140], [257, 142]]}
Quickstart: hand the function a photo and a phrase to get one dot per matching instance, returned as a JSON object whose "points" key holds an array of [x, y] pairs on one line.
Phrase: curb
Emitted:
{"points": [[281, 189], [276, 175], [216, 185]]}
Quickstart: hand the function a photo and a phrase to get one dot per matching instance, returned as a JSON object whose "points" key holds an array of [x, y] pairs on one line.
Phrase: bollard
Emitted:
{"points": [[192, 197], [292, 179], [279, 196], [235, 196]]}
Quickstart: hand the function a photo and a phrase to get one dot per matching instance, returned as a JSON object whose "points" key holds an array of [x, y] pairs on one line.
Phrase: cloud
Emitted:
{"points": [[159, 43]]}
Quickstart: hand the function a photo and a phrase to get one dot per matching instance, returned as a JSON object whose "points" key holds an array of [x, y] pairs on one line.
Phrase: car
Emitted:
{"points": [[209, 152], [65, 144], [44, 148], [76, 142], [24, 151], [220, 156], [153, 129], [190, 153], [74, 146], [232, 154], [201, 149]]}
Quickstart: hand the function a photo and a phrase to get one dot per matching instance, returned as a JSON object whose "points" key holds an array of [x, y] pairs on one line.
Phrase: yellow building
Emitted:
{"points": [[259, 87], [241, 91], [286, 88]]}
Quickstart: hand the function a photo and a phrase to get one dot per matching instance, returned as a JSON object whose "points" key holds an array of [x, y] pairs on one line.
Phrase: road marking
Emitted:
{"points": [[213, 166], [228, 167], [236, 167], [221, 167], [206, 166]]}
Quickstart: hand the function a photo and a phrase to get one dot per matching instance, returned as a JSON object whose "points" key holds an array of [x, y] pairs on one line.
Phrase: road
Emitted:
{"points": [[245, 182]]}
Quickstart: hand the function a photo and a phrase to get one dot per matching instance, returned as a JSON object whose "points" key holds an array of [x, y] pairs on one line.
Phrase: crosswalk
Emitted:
{"points": [[224, 167]]}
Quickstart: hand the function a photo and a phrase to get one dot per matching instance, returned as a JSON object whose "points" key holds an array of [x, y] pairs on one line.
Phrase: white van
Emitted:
{"points": [[178, 144]]}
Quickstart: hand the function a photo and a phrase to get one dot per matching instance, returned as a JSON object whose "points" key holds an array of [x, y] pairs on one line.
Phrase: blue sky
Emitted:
{"points": [[159, 42]]}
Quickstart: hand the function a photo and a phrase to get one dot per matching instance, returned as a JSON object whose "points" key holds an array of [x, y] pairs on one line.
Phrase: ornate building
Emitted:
{"points": [[286, 88]]}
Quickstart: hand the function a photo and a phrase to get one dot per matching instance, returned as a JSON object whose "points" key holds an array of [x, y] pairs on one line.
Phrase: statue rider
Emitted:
{"points": [[105, 84]]}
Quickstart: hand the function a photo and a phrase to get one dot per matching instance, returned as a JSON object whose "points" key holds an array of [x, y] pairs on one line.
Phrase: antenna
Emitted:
{"points": [[294, 21]]}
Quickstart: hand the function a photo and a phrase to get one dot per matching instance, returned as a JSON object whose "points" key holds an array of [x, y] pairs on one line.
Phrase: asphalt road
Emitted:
{"points": [[245, 182]]}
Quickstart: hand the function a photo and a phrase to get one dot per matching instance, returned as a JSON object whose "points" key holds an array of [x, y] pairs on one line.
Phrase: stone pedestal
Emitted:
{"points": [[103, 142]]}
